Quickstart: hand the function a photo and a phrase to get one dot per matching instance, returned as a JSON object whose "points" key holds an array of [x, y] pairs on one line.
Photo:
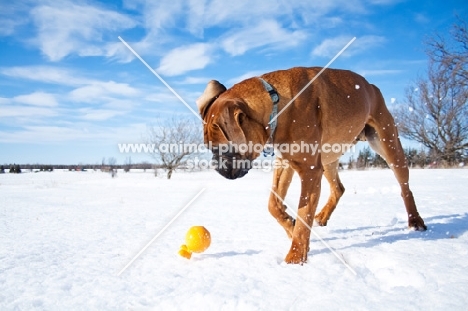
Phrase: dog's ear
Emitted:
{"points": [[212, 91]]}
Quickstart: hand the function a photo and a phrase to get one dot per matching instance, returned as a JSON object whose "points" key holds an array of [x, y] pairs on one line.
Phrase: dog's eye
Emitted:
{"points": [[240, 118]]}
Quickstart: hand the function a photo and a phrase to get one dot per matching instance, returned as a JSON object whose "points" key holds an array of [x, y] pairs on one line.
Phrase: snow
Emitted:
{"points": [[64, 236]]}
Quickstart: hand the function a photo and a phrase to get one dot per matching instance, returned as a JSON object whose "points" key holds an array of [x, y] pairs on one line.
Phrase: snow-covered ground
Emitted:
{"points": [[64, 237]]}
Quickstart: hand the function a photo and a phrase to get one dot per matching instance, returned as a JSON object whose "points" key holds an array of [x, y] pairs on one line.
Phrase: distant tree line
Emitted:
{"points": [[16, 168], [415, 159]]}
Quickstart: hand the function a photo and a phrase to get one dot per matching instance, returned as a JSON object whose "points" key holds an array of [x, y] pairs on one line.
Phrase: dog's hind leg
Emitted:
{"points": [[282, 177], [382, 135], [336, 191]]}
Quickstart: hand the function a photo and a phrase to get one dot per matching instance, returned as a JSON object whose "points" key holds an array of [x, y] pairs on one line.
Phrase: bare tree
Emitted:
{"points": [[452, 53], [112, 161], [435, 113], [175, 141], [127, 164]]}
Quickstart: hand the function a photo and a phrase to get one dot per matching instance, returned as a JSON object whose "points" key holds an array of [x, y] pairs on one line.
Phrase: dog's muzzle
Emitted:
{"points": [[231, 165]]}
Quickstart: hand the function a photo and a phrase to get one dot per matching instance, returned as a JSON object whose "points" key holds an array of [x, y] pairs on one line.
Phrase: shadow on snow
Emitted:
{"points": [[438, 227]]}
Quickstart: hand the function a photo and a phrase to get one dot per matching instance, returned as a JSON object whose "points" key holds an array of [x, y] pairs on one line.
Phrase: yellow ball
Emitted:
{"points": [[197, 239]]}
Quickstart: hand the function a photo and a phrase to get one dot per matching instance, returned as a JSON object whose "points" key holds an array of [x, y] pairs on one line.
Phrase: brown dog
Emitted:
{"points": [[337, 108]]}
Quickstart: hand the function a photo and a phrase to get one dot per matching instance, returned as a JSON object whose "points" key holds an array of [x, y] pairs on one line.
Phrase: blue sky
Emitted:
{"points": [[70, 91]]}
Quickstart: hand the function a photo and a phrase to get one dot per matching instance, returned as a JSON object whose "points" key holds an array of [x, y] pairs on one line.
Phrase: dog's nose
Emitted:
{"points": [[229, 167], [230, 173]]}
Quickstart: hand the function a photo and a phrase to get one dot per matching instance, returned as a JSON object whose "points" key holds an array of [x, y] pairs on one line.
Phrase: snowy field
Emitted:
{"points": [[64, 237]]}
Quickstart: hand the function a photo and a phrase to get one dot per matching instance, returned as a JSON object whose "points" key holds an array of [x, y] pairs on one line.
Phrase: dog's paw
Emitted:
{"points": [[416, 223], [297, 255], [321, 220]]}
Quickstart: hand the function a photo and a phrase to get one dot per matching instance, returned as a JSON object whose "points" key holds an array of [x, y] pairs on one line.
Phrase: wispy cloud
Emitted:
{"points": [[12, 15], [194, 80], [97, 90], [73, 133], [8, 25], [26, 114], [186, 58], [267, 33], [39, 99], [43, 134], [243, 12], [109, 99], [64, 28], [84, 89], [46, 74], [329, 47]]}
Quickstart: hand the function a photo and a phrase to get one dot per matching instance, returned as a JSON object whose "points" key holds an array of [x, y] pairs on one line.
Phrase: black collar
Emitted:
{"points": [[275, 99]]}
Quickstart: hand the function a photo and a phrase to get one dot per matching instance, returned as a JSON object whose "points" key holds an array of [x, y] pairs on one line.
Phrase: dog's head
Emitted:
{"points": [[229, 131]]}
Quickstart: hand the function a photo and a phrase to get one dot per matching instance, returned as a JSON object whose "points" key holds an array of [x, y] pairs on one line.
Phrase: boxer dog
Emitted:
{"points": [[339, 107]]}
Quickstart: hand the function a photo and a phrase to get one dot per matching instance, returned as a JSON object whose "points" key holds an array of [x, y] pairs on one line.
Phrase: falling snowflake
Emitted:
{"points": [[357, 86], [410, 109]]}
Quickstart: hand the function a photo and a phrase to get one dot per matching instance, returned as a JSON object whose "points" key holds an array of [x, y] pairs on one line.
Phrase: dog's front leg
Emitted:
{"points": [[311, 177], [282, 177]]}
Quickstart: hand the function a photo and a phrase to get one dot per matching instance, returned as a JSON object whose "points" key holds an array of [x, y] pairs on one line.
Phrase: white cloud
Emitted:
{"points": [[243, 12], [64, 28], [329, 47], [97, 90], [43, 134], [73, 133], [268, 33], [158, 14], [121, 53], [87, 90], [28, 112], [121, 104], [194, 16], [46, 74], [164, 14], [12, 15], [39, 99], [7, 26], [194, 80], [185, 58]]}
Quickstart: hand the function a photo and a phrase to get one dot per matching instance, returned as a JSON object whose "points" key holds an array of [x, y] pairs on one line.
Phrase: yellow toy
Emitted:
{"points": [[197, 240]]}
